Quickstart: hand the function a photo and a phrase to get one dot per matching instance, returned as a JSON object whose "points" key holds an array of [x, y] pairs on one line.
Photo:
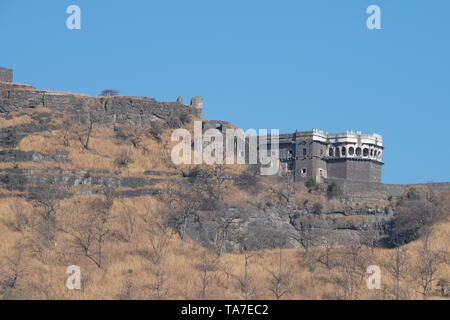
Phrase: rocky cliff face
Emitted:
{"points": [[287, 227]]}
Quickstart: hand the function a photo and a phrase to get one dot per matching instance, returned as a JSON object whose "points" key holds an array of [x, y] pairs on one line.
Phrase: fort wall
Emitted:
{"points": [[14, 97]]}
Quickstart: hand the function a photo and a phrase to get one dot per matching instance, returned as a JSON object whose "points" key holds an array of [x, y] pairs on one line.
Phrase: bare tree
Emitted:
{"points": [[427, 266], [280, 282], [208, 266], [245, 281], [89, 230], [213, 178], [160, 285], [185, 204], [224, 222], [249, 179], [219, 176], [12, 271], [287, 189], [21, 218], [398, 268], [100, 221], [351, 265], [328, 239], [128, 217], [67, 132], [45, 221], [87, 122], [159, 233], [129, 291]]}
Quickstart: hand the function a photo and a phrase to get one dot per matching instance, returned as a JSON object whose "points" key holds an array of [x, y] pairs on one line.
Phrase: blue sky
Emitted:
{"points": [[258, 64]]}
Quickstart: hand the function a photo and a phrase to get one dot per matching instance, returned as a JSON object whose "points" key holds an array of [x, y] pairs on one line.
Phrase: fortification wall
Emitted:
{"points": [[337, 169], [360, 192], [120, 108]]}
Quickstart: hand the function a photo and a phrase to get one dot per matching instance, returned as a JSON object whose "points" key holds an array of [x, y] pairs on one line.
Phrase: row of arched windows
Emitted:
{"points": [[365, 152]]}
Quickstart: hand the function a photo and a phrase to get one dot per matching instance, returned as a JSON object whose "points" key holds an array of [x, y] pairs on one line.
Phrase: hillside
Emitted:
{"points": [[104, 195]]}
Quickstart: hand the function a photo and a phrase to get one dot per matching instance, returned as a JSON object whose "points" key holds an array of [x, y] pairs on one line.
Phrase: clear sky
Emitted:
{"points": [[289, 65]]}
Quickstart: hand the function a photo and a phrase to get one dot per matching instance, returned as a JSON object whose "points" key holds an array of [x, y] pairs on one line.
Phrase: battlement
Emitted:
{"points": [[342, 138], [6, 75]]}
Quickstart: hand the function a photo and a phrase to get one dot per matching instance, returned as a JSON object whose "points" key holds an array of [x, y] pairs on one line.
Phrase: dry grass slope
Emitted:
{"points": [[143, 259]]}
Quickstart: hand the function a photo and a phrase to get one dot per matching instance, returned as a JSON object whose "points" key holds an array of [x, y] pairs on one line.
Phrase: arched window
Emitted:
{"points": [[351, 151], [338, 152], [358, 151], [371, 153], [330, 152], [365, 152], [344, 151]]}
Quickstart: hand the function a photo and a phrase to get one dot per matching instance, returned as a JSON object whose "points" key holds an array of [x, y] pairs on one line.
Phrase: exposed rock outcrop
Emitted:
{"points": [[252, 228]]}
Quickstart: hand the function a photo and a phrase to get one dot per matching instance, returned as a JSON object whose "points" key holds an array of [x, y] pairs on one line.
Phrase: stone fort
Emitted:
{"points": [[347, 157], [342, 157]]}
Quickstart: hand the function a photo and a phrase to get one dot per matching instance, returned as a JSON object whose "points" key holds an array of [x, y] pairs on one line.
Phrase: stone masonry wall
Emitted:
{"points": [[120, 108], [6, 75]]}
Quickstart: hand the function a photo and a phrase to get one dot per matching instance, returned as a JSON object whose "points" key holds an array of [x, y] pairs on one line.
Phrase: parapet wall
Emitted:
{"points": [[361, 192]]}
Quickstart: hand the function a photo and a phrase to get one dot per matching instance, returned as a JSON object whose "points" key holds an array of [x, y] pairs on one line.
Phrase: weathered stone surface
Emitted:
{"points": [[286, 227], [116, 108], [6, 75], [22, 156]]}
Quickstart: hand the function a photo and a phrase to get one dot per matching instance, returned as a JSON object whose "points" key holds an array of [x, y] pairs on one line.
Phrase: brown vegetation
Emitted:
{"points": [[137, 248]]}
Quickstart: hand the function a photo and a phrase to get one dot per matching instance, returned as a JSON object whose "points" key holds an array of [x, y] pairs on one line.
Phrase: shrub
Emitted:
{"points": [[174, 122], [195, 174], [123, 159], [185, 118], [317, 208], [249, 179], [334, 190], [311, 184], [12, 138], [156, 131], [412, 219]]}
